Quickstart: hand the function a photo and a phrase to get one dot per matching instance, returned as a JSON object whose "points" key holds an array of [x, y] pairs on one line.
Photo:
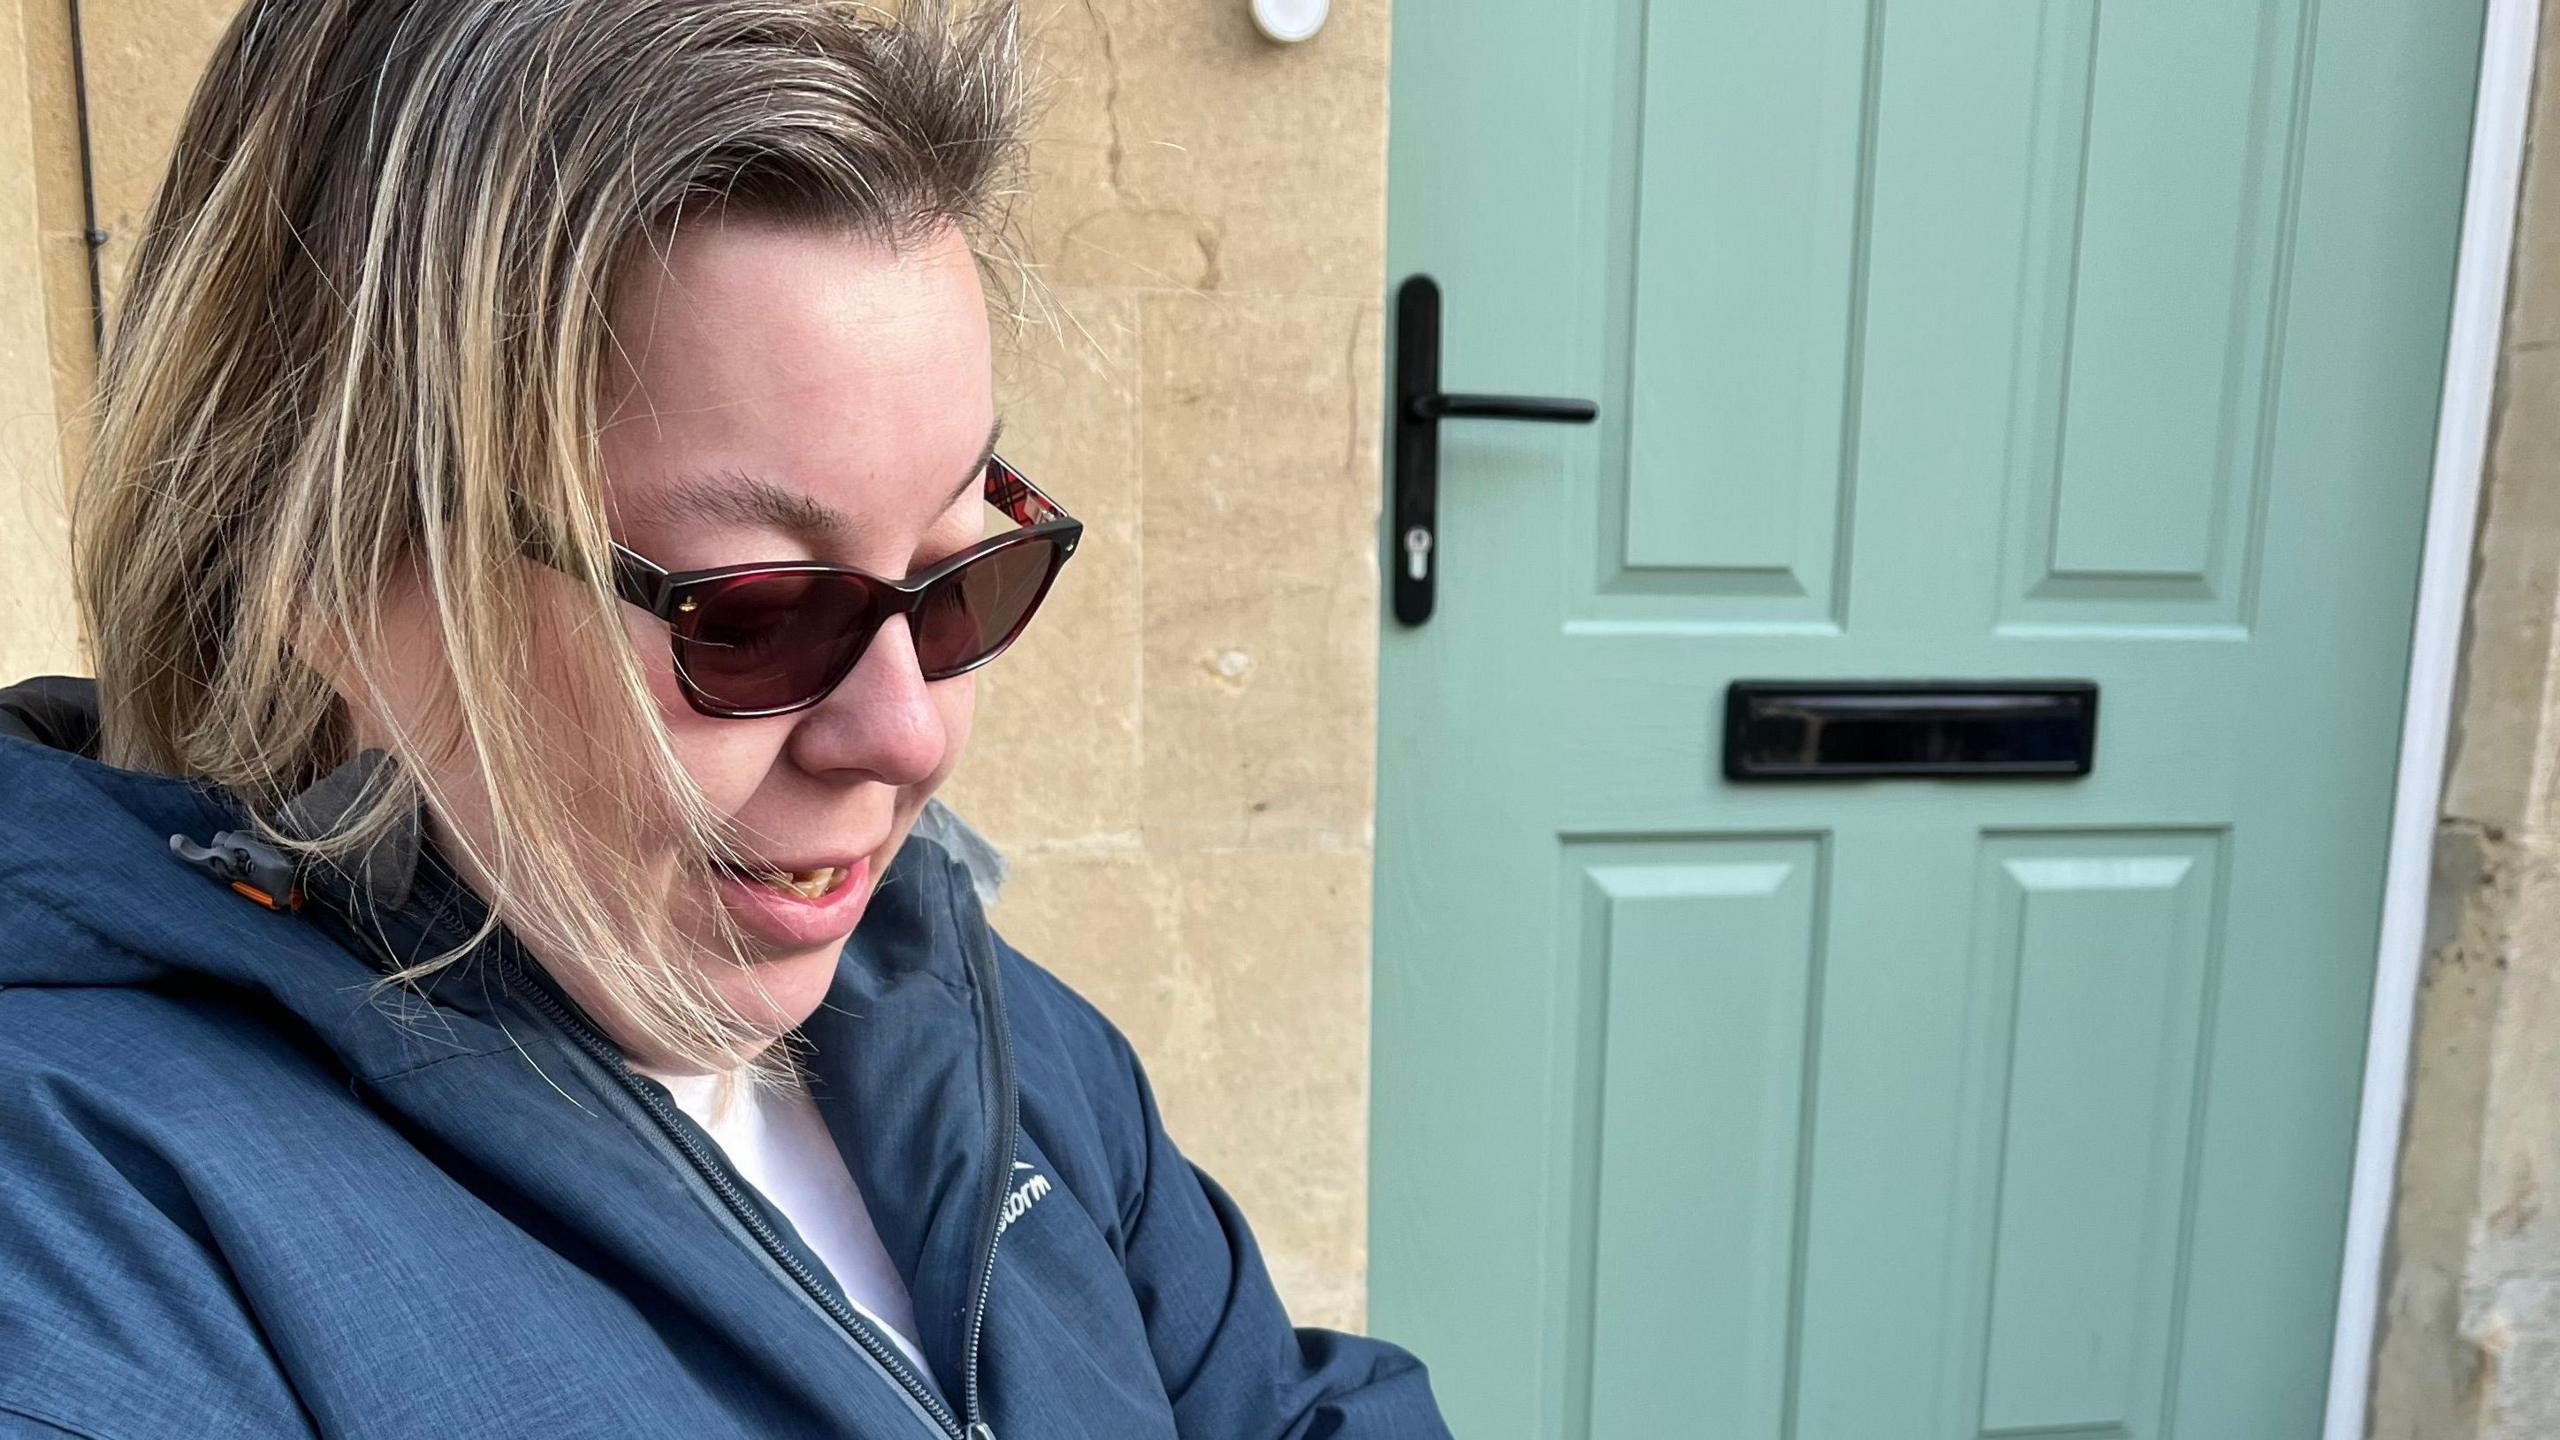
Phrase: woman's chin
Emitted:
{"points": [[781, 990]]}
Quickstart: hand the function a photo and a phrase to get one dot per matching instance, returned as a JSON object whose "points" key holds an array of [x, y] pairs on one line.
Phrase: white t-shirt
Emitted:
{"points": [[779, 1142]]}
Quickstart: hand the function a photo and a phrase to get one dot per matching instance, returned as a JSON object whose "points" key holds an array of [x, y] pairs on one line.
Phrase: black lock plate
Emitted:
{"points": [[1872, 729]]}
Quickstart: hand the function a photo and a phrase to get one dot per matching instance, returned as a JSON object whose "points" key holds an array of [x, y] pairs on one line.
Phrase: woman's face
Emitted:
{"points": [[783, 393], [789, 394]]}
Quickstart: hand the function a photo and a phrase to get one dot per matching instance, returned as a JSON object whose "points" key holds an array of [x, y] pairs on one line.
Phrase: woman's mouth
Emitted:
{"points": [[807, 884], [797, 908]]}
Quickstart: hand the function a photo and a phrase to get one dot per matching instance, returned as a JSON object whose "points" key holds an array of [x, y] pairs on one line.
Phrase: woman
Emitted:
{"points": [[533, 556]]}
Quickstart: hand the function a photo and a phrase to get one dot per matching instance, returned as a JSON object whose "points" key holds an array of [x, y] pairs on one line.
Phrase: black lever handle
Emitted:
{"points": [[1420, 407], [1504, 407]]}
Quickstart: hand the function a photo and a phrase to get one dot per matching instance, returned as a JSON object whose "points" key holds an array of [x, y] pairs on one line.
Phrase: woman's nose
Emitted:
{"points": [[881, 722]]}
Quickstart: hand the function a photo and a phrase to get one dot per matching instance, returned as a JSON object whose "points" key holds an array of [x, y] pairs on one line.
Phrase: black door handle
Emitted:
{"points": [[1420, 407], [1503, 407]]}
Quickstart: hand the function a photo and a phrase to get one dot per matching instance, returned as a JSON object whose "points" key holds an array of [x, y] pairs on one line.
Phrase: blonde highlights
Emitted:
{"points": [[361, 348]]}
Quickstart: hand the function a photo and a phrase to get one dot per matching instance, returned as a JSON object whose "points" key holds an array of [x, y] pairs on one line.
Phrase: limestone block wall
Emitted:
{"points": [[1178, 758], [1179, 761], [2470, 1340], [45, 352]]}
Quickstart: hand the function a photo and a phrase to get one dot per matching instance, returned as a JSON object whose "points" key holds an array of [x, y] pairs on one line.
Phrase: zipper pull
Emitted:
{"points": [[249, 865], [981, 1430]]}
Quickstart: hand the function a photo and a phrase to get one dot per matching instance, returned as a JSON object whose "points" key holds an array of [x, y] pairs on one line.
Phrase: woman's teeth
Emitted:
{"points": [[807, 884]]}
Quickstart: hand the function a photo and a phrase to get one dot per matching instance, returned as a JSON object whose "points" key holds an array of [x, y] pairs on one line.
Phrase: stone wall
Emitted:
{"points": [[45, 350], [1178, 758], [1179, 761], [2470, 1341]]}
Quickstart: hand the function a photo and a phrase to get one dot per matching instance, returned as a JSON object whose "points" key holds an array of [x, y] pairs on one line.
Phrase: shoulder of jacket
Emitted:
{"points": [[61, 1040]]}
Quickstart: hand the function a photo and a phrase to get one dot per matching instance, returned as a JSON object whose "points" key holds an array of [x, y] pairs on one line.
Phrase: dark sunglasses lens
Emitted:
{"points": [[771, 642], [978, 609]]}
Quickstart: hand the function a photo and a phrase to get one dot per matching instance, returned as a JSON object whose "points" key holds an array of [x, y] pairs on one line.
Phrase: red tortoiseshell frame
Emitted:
{"points": [[673, 596]]}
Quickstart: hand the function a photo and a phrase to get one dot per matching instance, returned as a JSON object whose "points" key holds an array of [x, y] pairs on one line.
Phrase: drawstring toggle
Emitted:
{"points": [[249, 865]]}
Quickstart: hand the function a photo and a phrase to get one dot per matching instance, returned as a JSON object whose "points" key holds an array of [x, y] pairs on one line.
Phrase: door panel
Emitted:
{"points": [[1735, 482], [2099, 950], [1932, 339], [1702, 955]]}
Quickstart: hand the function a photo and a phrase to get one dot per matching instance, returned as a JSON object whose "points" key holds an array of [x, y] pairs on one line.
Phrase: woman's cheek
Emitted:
{"points": [[728, 760], [957, 699]]}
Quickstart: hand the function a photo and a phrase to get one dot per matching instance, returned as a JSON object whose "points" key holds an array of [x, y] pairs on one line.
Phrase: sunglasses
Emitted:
{"points": [[759, 640]]}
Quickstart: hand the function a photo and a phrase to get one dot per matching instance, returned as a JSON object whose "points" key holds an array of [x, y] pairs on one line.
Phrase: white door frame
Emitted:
{"points": [[2444, 583]]}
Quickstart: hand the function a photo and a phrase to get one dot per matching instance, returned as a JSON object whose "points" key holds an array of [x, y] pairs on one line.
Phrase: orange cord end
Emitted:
{"points": [[292, 900]]}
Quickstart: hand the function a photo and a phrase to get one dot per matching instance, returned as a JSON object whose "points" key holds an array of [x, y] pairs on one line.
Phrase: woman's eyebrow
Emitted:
{"points": [[750, 502], [737, 498]]}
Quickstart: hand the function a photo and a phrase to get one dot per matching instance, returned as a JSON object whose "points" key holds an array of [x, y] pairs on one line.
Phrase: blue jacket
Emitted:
{"points": [[244, 1192]]}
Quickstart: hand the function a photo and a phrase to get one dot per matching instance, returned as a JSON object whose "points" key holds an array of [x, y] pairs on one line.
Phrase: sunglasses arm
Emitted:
{"points": [[1017, 497], [642, 581]]}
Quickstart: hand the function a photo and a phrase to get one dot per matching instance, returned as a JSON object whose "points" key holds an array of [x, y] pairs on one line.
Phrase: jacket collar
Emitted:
{"points": [[59, 712]]}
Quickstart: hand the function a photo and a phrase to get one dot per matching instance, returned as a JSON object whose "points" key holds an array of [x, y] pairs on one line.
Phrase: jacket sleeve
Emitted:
{"points": [[1232, 1364]]}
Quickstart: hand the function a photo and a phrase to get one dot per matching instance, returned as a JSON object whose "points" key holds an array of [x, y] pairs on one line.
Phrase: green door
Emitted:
{"points": [[1945, 339]]}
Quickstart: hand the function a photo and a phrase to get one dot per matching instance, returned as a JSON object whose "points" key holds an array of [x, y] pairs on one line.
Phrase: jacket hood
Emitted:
{"points": [[56, 711], [94, 896], [105, 876], [89, 888]]}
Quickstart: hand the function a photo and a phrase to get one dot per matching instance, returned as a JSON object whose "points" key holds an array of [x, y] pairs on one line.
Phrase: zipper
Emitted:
{"points": [[1008, 1121], [716, 1174]]}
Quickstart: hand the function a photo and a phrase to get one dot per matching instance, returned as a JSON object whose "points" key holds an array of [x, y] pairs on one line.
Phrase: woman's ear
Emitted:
{"points": [[385, 660]]}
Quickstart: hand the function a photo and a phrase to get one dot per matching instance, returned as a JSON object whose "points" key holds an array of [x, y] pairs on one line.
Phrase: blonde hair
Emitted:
{"points": [[362, 342]]}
